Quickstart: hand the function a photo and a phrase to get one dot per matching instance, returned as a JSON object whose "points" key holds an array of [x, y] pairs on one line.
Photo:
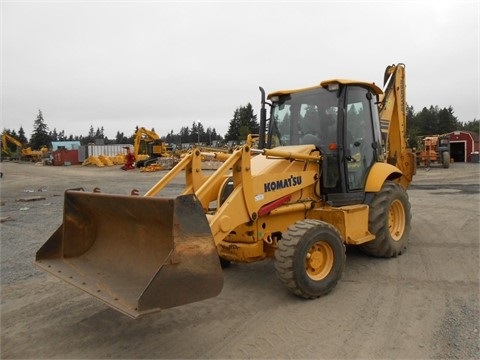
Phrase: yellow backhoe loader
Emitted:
{"points": [[332, 169]]}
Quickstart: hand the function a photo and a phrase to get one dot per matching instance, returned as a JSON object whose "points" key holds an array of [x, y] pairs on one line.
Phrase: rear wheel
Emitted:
{"points": [[310, 258], [445, 159], [389, 220]]}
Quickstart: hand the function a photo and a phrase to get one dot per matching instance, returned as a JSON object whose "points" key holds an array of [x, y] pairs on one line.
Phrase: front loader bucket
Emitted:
{"points": [[137, 254]]}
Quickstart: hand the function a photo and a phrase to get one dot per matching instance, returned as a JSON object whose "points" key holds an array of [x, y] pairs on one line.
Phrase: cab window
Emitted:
{"points": [[359, 139]]}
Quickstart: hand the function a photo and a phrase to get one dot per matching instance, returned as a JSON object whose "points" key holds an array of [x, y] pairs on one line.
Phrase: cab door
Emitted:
{"points": [[359, 144], [358, 147]]}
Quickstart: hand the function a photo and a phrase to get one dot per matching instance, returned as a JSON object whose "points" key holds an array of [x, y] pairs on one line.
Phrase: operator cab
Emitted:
{"points": [[341, 119]]}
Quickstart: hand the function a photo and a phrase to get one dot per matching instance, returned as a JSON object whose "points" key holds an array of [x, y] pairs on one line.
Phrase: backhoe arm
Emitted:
{"points": [[143, 134], [392, 111], [8, 138]]}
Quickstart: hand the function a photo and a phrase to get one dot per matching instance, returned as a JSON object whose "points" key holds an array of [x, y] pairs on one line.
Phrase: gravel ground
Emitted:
{"points": [[421, 305]]}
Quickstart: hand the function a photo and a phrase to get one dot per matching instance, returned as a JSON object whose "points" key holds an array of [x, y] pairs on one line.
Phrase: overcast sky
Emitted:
{"points": [[164, 65]]}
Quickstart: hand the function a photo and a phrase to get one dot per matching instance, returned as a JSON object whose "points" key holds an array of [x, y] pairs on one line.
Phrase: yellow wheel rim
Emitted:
{"points": [[396, 220], [319, 260]]}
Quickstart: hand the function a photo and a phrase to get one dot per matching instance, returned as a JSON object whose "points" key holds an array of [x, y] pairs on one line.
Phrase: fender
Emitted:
{"points": [[378, 174]]}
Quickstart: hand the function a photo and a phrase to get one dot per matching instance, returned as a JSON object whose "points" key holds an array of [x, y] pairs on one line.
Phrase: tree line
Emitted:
{"points": [[243, 122], [428, 121], [435, 121]]}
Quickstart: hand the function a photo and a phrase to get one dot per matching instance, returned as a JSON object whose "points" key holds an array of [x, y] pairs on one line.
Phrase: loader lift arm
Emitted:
{"points": [[206, 188]]}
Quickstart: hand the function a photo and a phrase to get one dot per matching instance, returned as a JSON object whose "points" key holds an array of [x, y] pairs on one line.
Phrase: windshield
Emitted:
{"points": [[308, 117]]}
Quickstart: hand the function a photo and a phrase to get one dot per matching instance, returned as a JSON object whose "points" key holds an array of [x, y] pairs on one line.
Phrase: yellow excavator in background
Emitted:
{"points": [[7, 138], [332, 169], [147, 147], [26, 153], [34, 155]]}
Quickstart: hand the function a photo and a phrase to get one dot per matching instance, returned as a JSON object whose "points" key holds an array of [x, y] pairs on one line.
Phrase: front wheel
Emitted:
{"points": [[310, 258], [389, 220]]}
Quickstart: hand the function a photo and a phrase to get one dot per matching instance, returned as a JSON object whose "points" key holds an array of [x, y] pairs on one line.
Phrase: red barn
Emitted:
{"points": [[462, 145]]}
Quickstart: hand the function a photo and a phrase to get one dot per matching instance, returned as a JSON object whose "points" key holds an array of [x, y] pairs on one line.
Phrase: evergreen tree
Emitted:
{"points": [[447, 122], [473, 126], [429, 121], [210, 134], [120, 138], [434, 121], [244, 122], [184, 134], [196, 133], [412, 128], [216, 136], [61, 136], [172, 138], [21, 136], [53, 135], [410, 117], [233, 133], [40, 136], [200, 133], [90, 138]]}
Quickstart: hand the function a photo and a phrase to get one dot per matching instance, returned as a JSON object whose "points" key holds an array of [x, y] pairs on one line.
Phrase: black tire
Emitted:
{"points": [[224, 263], [389, 220], [445, 159], [310, 258]]}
